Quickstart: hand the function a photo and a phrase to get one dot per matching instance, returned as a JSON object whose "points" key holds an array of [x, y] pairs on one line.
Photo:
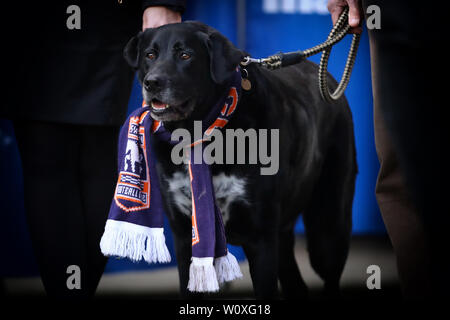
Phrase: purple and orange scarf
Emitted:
{"points": [[134, 228]]}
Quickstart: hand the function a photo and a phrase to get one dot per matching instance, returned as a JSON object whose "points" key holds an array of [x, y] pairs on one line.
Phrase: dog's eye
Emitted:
{"points": [[151, 55], [185, 56]]}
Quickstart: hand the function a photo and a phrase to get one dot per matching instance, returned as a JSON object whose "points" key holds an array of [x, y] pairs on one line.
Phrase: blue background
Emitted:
{"points": [[260, 27]]}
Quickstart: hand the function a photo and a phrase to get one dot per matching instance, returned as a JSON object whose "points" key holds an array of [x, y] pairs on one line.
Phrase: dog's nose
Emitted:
{"points": [[153, 82]]}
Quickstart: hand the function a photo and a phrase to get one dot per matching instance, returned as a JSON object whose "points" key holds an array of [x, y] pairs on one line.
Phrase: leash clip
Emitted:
{"points": [[272, 62], [247, 60]]}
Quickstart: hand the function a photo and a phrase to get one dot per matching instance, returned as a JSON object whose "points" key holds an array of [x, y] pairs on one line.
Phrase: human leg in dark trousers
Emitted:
{"points": [[406, 77], [403, 223], [69, 175]]}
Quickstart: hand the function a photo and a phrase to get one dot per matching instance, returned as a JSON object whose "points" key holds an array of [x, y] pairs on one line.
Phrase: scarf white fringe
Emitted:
{"points": [[127, 240], [227, 268], [202, 275]]}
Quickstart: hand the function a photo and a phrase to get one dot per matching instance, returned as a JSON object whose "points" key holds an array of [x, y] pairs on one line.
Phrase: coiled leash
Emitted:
{"points": [[281, 60]]}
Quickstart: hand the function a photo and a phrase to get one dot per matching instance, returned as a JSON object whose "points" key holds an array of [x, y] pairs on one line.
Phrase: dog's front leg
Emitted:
{"points": [[263, 262]]}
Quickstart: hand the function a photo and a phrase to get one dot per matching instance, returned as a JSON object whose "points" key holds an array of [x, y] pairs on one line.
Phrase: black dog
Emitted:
{"points": [[185, 68]]}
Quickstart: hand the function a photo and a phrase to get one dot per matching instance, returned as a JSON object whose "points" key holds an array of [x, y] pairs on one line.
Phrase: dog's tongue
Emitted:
{"points": [[158, 105]]}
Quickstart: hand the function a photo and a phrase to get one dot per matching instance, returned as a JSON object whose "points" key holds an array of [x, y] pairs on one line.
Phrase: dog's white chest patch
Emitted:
{"points": [[228, 189]]}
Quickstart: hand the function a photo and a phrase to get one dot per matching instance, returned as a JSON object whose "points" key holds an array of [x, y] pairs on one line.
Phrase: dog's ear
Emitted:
{"points": [[131, 51], [224, 57]]}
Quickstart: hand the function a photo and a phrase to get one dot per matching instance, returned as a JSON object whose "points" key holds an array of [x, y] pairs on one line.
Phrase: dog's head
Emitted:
{"points": [[180, 67]]}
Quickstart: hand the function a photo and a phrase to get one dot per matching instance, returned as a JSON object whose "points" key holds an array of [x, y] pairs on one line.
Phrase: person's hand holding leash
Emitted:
{"points": [[154, 17], [354, 15]]}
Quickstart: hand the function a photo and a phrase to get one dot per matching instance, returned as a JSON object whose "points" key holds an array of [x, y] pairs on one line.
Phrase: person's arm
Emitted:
{"points": [[161, 12], [354, 14]]}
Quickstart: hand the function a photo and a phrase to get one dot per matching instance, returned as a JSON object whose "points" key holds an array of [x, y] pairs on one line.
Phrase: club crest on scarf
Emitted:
{"points": [[133, 186]]}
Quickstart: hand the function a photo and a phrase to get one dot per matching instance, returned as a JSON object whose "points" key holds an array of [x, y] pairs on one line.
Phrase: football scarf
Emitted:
{"points": [[134, 228]]}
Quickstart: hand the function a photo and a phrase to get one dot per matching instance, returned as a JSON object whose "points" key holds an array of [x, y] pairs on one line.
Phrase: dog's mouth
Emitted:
{"points": [[160, 110], [158, 106]]}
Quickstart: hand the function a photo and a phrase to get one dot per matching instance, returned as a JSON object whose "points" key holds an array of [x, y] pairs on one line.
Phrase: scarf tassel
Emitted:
{"points": [[205, 276], [202, 275], [126, 240], [227, 268]]}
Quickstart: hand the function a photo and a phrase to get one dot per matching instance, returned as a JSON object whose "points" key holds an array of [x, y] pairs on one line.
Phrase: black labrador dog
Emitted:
{"points": [[185, 68]]}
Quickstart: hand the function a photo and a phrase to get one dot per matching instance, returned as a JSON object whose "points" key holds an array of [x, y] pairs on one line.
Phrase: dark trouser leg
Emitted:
{"points": [[50, 155], [407, 86], [403, 223], [98, 178], [69, 175]]}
